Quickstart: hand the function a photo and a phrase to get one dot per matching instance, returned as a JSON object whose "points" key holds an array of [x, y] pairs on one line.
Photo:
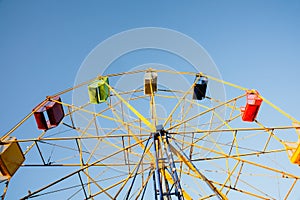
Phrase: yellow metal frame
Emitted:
{"points": [[182, 128]]}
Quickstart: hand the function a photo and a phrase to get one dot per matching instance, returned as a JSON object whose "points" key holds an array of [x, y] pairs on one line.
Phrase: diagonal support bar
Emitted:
{"points": [[137, 113], [192, 167]]}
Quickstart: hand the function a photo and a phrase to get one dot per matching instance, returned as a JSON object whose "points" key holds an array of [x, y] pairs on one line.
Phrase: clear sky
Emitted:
{"points": [[254, 43]]}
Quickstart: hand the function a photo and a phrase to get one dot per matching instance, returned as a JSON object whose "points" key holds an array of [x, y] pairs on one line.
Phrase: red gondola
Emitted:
{"points": [[55, 114], [250, 111]]}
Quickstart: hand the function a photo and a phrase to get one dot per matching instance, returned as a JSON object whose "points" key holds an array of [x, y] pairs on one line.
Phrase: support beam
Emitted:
{"points": [[192, 167]]}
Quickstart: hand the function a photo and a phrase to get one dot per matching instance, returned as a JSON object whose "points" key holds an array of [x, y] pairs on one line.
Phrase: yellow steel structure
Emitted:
{"points": [[153, 141]]}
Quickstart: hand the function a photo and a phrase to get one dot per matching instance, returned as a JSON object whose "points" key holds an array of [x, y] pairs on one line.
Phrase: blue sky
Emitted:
{"points": [[255, 44]]}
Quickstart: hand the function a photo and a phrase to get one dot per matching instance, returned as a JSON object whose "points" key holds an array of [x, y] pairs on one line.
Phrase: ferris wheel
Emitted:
{"points": [[153, 142]]}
